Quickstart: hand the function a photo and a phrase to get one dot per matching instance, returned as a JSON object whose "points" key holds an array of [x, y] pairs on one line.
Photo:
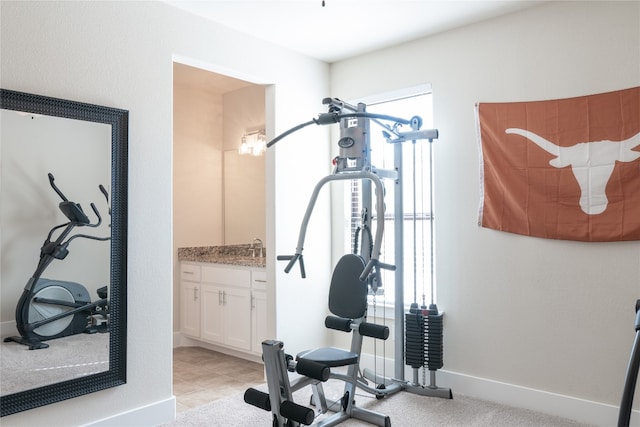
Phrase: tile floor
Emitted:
{"points": [[201, 376]]}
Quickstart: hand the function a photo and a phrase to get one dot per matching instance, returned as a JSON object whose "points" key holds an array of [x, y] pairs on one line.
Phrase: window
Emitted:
{"points": [[417, 216]]}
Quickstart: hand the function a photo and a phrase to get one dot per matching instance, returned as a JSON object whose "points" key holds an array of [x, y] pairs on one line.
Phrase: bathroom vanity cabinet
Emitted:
{"points": [[224, 305]]}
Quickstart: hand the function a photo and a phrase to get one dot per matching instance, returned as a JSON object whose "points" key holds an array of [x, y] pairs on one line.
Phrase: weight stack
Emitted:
{"points": [[423, 337]]}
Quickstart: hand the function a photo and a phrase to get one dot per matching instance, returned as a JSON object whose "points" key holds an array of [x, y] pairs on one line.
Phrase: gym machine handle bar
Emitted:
{"points": [[373, 262]]}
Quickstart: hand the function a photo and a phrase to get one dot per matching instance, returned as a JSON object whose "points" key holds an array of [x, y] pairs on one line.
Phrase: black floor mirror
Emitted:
{"points": [[63, 253]]}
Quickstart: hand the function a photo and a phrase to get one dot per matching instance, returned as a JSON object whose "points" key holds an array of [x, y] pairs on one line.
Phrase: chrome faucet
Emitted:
{"points": [[253, 247]]}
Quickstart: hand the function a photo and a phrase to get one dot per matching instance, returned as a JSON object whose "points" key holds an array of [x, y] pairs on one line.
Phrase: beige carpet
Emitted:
{"points": [[404, 409], [66, 358]]}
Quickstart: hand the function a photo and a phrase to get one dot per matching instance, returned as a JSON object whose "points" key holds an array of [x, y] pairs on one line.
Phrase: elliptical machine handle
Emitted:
{"points": [[74, 211], [95, 211], [57, 190], [106, 196]]}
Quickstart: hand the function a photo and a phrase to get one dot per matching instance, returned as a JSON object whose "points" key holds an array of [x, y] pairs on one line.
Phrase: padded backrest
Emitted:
{"points": [[348, 294]]}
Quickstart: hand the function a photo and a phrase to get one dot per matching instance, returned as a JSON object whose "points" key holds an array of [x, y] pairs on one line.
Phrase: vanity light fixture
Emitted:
{"points": [[254, 143]]}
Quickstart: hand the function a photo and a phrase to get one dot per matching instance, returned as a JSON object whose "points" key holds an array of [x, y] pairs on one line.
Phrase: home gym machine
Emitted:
{"points": [[420, 344], [49, 309], [626, 405]]}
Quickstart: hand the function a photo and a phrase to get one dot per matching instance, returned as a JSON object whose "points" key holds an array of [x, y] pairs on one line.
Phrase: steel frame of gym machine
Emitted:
{"points": [[353, 162], [631, 378]]}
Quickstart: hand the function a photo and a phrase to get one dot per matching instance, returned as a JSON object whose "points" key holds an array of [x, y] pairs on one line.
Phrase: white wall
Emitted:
{"points": [[555, 316], [243, 112], [120, 54], [197, 167]]}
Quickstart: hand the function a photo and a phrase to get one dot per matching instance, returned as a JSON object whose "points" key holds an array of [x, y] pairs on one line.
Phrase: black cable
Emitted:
{"points": [[357, 237], [331, 118], [289, 132]]}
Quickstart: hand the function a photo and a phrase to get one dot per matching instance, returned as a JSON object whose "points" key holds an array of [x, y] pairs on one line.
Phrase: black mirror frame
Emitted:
{"points": [[116, 374]]}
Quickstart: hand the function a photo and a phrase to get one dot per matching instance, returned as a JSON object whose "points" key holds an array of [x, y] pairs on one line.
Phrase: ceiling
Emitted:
{"points": [[344, 28]]}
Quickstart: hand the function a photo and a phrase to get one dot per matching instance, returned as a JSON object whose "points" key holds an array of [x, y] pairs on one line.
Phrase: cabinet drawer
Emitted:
{"points": [[190, 272], [226, 276], [259, 280]]}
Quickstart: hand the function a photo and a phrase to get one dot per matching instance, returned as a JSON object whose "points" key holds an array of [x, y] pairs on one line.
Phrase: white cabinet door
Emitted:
{"points": [[258, 321], [237, 317], [219, 306], [226, 316], [212, 325], [190, 309]]}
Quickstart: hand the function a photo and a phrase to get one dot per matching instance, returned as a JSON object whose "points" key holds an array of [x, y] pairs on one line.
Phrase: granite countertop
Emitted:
{"points": [[231, 254]]}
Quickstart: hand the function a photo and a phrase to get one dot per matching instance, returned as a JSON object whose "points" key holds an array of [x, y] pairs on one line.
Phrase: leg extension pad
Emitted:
{"points": [[298, 413]]}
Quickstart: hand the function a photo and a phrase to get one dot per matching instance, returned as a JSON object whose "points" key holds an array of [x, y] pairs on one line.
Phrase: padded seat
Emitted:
{"points": [[348, 306], [348, 300], [330, 356]]}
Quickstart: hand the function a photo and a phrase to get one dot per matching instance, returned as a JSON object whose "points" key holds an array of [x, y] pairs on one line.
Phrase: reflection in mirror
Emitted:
{"points": [[62, 249], [244, 198], [68, 149]]}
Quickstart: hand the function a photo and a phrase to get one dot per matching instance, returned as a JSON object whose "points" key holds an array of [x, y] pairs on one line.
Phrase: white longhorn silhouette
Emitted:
{"points": [[592, 164]]}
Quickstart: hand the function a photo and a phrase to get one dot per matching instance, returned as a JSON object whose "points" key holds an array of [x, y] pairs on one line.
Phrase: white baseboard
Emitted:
{"points": [[177, 340], [585, 411], [155, 414], [581, 410]]}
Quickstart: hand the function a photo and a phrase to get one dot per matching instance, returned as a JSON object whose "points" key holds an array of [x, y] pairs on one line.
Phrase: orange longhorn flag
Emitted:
{"points": [[562, 169]]}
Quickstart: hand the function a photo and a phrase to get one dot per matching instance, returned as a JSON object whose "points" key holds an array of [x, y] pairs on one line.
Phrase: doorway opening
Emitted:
{"points": [[218, 193]]}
